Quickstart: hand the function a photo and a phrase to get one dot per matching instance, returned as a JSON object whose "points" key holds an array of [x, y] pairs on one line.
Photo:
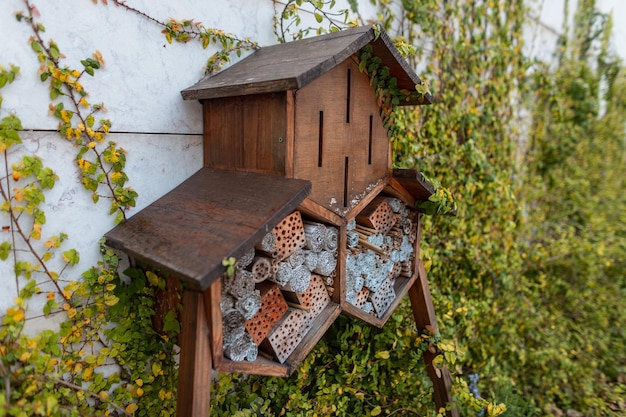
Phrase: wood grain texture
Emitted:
{"points": [[246, 133], [211, 216], [426, 320], [194, 372], [293, 65], [335, 186], [414, 182]]}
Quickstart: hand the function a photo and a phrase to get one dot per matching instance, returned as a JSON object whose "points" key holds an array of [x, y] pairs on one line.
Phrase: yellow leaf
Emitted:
{"points": [[16, 314], [382, 355], [131, 408]]}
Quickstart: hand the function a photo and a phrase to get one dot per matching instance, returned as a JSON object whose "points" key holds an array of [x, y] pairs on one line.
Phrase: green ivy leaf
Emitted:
{"points": [[5, 250], [71, 256]]}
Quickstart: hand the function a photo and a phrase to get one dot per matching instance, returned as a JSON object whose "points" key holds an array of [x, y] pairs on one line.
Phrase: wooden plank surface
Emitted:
{"points": [[282, 67], [246, 134], [292, 65], [414, 182], [211, 216], [426, 320], [194, 372]]}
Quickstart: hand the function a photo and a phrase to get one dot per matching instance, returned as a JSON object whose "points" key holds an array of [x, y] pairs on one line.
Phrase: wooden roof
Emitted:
{"points": [[211, 216], [414, 182], [292, 65]]}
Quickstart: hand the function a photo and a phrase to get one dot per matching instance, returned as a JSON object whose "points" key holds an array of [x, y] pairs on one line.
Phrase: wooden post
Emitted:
{"points": [[194, 372], [425, 318]]}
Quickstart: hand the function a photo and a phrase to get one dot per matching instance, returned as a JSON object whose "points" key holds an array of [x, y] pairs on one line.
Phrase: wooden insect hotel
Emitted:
{"points": [[297, 186]]}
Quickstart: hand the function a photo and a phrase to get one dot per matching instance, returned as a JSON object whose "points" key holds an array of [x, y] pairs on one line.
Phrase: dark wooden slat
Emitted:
{"points": [[414, 182], [194, 372], [425, 319], [212, 215], [282, 67]]}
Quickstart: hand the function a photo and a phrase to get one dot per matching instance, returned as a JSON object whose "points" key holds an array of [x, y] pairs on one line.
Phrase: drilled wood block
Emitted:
{"points": [[377, 215], [273, 307], [289, 235], [361, 297], [286, 336], [383, 297], [314, 299]]}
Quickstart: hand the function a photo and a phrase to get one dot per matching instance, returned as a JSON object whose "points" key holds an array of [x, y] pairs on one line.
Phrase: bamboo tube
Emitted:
{"points": [[370, 246], [297, 306], [366, 230], [329, 280], [260, 268]]}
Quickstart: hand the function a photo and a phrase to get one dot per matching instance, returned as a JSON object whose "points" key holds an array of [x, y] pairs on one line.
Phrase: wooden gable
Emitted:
{"points": [[341, 144]]}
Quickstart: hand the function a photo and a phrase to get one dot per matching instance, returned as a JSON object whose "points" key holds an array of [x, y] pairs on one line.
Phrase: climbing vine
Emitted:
{"points": [[186, 30], [102, 168]]}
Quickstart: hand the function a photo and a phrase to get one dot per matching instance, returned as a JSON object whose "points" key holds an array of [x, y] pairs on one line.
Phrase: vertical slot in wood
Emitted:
{"points": [[369, 146], [348, 97], [345, 184], [320, 140]]}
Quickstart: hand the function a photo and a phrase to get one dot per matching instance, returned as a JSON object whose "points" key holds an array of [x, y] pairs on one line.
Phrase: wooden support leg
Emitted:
{"points": [[194, 371], [425, 318]]}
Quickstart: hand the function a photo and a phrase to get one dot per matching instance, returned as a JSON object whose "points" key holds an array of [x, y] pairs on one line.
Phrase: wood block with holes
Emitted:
{"points": [[287, 334], [289, 235], [315, 298], [377, 215], [273, 308], [383, 297], [361, 297]]}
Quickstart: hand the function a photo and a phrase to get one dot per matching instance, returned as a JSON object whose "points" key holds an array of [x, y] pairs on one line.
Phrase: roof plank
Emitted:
{"points": [[213, 215], [292, 65]]}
